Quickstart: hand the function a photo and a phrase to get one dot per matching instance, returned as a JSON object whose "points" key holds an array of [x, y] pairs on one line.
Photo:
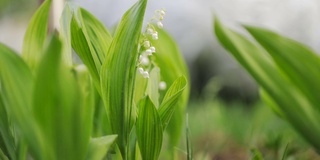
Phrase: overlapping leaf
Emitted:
{"points": [[62, 110], [17, 86], [172, 66], [293, 104], [36, 34], [153, 86], [296, 61], [149, 130], [118, 74], [91, 41], [7, 143], [169, 104]]}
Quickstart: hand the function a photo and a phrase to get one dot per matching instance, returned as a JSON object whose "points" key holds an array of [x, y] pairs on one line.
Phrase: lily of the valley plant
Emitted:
{"points": [[117, 105]]}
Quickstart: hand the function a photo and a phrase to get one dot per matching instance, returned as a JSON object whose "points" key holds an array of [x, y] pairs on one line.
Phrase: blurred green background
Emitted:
{"points": [[222, 128]]}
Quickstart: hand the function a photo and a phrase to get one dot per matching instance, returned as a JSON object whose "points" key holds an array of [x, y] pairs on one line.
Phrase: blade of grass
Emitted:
{"points": [[149, 130], [118, 74], [256, 154], [36, 34], [188, 141], [285, 152]]}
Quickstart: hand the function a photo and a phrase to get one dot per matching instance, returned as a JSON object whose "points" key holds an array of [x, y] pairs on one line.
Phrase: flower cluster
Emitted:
{"points": [[145, 48]]}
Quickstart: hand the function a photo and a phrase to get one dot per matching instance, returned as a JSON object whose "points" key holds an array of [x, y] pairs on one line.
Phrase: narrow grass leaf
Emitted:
{"points": [[118, 74], [169, 103], [295, 105], [36, 34], [256, 154], [188, 140], [296, 61], [149, 130], [99, 147], [285, 152]]}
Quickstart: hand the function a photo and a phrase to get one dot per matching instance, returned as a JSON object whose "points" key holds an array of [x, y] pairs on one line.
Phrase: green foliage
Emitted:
{"points": [[170, 100], [286, 71], [99, 147], [256, 154], [51, 108], [149, 129], [172, 66], [118, 75], [36, 34]]}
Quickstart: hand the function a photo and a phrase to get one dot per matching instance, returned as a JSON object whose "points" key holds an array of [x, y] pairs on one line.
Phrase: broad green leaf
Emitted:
{"points": [[65, 34], [99, 147], [295, 105], [118, 74], [296, 61], [17, 83], [153, 86], [91, 41], [98, 34], [149, 130], [141, 84], [170, 100], [170, 61], [172, 65], [62, 108], [271, 103], [6, 136], [101, 124], [36, 34]]}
